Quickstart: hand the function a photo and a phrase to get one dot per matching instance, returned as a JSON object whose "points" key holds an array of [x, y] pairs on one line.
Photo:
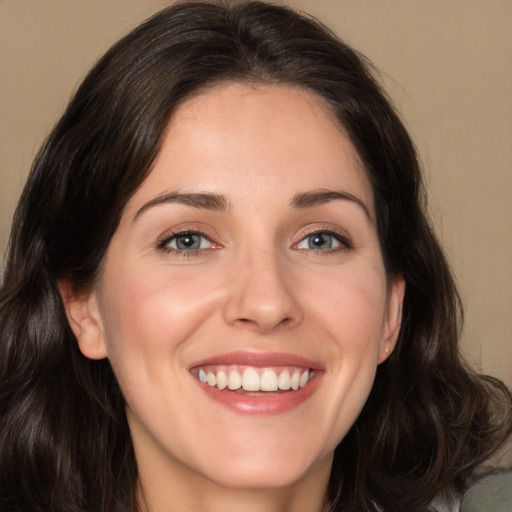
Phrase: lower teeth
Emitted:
{"points": [[242, 391]]}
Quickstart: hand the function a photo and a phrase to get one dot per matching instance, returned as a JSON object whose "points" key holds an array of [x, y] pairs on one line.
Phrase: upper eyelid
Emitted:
{"points": [[192, 228], [342, 233]]}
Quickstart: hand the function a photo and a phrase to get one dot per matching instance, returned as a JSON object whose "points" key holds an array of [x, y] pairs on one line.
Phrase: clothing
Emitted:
{"points": [[492, 493], [489, 489], [450, 503]]}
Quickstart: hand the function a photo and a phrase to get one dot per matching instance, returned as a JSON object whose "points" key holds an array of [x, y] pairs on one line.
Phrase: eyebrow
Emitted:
{"points": [[319, 197], [202, 200], [218, 202]]}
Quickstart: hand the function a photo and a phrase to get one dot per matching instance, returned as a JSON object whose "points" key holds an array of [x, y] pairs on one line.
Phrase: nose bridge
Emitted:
{"points": [[261, 293]]}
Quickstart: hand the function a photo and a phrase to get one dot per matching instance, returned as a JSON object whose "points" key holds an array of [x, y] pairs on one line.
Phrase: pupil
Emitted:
{"points": [[188, 242], [319, 241]]}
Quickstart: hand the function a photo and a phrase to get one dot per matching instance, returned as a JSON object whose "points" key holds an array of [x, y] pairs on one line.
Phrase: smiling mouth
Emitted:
{"points": [[252, 379]]}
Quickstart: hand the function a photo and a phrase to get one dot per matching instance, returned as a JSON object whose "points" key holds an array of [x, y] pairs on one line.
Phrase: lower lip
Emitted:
{"points": [[267, 404]]}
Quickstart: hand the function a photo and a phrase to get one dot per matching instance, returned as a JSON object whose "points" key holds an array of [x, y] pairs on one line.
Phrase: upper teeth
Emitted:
{"points": [[255, 379]]}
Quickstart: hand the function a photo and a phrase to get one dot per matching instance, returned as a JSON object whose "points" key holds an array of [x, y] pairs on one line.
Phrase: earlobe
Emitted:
{"points": [[394, 318], [85, 321]]}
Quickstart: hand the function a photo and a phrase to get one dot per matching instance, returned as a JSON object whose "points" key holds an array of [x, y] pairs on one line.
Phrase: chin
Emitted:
{"points": [[269, 467], [268, 477]]}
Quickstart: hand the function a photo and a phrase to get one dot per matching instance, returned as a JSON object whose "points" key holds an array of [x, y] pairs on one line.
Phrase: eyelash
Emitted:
{"points": [[163, 244], [342, 238]]}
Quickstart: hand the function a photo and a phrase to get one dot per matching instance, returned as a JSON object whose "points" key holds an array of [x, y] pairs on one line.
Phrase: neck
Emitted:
{"points": [[186, 491]]}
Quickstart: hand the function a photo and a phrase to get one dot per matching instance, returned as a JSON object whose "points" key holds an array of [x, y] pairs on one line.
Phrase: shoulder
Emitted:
{"points": [[492, 492], [489, 487]]}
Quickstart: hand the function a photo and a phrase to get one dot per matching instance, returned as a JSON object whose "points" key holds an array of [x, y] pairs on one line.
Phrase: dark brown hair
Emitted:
{"points": [[64, 440]]}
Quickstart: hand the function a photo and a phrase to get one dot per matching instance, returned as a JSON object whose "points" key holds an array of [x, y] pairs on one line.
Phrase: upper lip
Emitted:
{"points": [[259, 359]]}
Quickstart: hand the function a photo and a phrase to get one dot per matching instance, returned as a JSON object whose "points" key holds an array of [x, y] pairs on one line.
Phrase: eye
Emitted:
{"points": [[186, 242], [324, 241]]}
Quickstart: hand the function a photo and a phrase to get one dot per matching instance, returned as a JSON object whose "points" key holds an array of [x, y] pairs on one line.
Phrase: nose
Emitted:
{"points": [[261, 294]]}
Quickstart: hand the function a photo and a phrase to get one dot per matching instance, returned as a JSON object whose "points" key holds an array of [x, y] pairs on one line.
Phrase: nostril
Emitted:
{"points": [[246, 322]]}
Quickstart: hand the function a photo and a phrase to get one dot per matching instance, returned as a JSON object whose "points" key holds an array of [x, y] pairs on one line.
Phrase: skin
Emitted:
{"points": [[255, 285]]}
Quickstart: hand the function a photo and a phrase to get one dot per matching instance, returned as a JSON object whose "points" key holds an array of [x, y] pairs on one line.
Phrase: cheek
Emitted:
{"points": [[149, 314], [351, 305], [349, 313], [148, 320]]}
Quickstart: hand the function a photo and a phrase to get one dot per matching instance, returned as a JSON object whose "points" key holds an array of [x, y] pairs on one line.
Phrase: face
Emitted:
{"points": [[243, 301]]}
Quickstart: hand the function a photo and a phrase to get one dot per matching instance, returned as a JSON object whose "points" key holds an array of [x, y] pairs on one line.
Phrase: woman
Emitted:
{"points": [[222, 290]]}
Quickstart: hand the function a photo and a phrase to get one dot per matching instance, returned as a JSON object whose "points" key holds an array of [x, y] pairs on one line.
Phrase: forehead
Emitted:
{"points": [[245, 140]]}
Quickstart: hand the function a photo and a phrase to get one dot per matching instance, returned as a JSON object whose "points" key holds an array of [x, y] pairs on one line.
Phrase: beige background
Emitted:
{"points": [[446, 63]]}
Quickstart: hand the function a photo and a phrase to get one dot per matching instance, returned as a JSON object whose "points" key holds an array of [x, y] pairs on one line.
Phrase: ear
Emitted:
{"points": [[84, 318], [393, 317]]}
